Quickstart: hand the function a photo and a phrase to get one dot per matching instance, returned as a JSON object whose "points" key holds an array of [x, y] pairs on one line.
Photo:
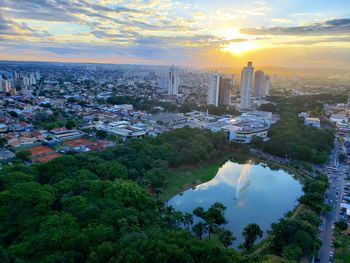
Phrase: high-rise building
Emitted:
{"points": [[37, 75], [213, 89], [266, 85], [13, 91], [162, 82], [6, 86], [173, 81], [26, 82], [246, 86], [1, 88], [226, 85], [258, 84], [32, 79]]}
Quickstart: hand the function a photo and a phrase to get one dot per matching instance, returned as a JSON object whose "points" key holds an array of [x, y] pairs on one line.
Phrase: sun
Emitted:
{"points": [[238, 48]]}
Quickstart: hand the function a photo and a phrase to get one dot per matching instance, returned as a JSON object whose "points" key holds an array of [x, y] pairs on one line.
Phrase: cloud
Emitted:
{"points": [[308, 41], [334, 26], [11, 29]]}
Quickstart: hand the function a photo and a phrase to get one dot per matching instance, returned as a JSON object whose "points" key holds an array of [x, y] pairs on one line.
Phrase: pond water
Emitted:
{"points": [[252, 193]]}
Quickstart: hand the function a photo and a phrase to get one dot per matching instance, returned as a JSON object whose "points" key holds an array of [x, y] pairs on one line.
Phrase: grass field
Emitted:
{"points": [[341, 245], [184, 178]]}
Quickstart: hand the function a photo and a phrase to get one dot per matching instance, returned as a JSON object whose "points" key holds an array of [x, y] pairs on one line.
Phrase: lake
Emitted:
{"points": [[252, 193]]}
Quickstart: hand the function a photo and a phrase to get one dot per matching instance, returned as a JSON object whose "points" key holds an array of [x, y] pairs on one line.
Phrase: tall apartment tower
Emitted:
{"points": [[226, 85], [32, 80], [266, 85], [37, 75], [213, 89], [246, 86], [173, 81], [259, 77]]}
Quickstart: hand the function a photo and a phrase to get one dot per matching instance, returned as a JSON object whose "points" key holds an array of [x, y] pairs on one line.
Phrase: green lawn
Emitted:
{"points": [[184, 178], [275, 259], [341, 253]]}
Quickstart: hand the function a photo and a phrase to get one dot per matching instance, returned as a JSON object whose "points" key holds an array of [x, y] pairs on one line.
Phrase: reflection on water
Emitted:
{"points": [[242, 184], [252, 193]]}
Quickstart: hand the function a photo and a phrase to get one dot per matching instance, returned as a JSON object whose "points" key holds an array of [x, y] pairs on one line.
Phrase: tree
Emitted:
{"points": [[71, 100], [199, 229], [268, 107], [13, 114], [101, 134], [111, 170], [213, 217], [250, 233], [187, 219], [226, 237], [178, 217], [342, 157], [70, 124], [257, 142], [292, 252], [23, 155], [341, 225], [2, 142], [156, 178]]}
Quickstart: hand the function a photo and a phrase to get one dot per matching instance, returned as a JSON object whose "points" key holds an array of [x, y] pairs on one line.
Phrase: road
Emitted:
{"points": [[335, 172]]}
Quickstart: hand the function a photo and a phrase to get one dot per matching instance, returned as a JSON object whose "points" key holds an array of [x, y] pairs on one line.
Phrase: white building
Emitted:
{"points": [[213, 89], [245, 134], [5, 86], [173, 81], [259, 78], [123, 129], [64, 134], [26, 82], [37, 75], [303, 115], [339, 118], [32, 79], [246, 86], [313, 122]]}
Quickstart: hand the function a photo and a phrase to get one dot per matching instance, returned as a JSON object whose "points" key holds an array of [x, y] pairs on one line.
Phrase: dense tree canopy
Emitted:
{"points": [[296, 236], [291, 138], [85, 208]]}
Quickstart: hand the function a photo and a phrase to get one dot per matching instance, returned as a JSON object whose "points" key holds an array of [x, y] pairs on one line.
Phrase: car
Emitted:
{"points": [[331, 254]]}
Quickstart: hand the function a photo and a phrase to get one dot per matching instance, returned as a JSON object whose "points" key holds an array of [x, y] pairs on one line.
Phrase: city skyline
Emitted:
{"points": [[188, 33]]}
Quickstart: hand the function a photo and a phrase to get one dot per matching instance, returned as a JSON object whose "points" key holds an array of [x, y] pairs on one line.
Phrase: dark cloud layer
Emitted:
{"points": [[11, 28], [334, 26]]}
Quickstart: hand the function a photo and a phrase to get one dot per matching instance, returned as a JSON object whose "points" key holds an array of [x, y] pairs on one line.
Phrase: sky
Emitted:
{"points": [[202, 33]]}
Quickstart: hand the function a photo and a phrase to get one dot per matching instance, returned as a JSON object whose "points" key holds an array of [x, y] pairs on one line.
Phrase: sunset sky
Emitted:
{"points": [[291, 33]]}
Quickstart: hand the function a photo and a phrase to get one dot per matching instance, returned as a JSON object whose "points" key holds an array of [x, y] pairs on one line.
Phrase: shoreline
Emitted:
{"points": [[200, 167]]}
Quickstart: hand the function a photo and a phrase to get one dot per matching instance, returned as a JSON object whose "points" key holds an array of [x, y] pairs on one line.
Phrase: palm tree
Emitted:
{"points": [[187, 219], [169, 214], [199, 229], [251, 232], [226, 237], [213, 217], [178, 217]]}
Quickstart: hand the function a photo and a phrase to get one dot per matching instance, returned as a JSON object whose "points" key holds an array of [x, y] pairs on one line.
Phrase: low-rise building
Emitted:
{"points": [[167, 119], [339, 118], [312, 122], [245, 134], [63, 133], [123, 129], [6, 154]]}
